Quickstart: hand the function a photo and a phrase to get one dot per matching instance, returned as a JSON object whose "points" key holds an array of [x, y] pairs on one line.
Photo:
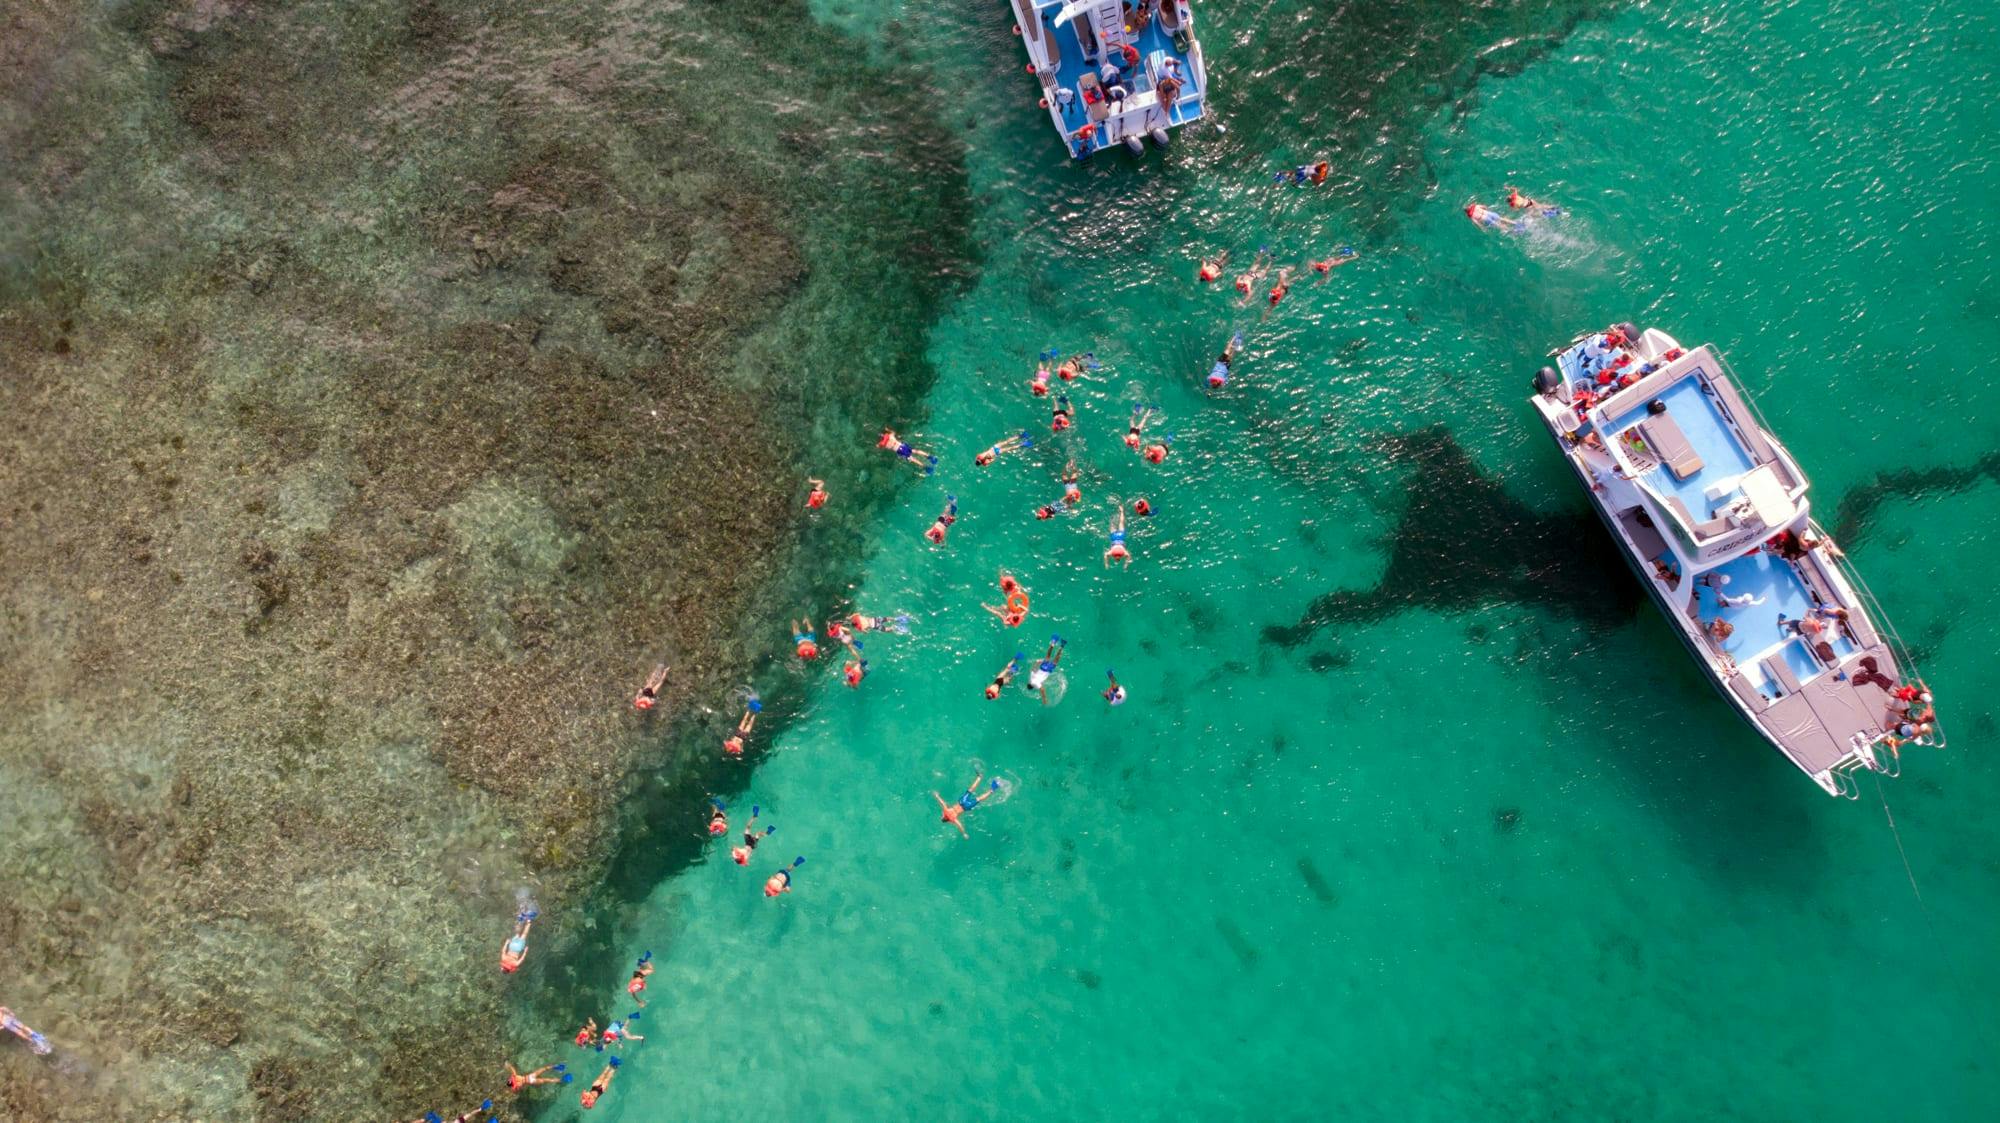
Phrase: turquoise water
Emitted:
{"points": [[1412, 814]]}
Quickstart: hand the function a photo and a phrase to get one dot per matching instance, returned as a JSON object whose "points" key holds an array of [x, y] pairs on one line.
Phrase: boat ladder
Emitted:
{"points": [[1868, 751], [1110, 19]]}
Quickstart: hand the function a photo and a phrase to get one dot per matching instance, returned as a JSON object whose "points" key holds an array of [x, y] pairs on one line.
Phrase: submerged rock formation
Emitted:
{"points": [[382, 389]]}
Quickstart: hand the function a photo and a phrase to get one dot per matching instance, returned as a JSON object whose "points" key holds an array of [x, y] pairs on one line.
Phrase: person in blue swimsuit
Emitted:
{"points": [[1117, 551], [954, 813]]}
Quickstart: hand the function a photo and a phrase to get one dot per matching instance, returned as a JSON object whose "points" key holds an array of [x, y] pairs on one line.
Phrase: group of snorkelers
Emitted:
{"points": [[1526, 212]]}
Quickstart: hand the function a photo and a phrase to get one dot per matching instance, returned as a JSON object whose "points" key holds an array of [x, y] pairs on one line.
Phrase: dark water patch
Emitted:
{"points": [[1326, 662], [1506, 819], [1091, 980], [1856, 512], [1239, 945], [1321, 891], [1463, 541]]}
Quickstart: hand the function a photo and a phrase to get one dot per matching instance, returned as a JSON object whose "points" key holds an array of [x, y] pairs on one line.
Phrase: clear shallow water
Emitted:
{"points": [[1472, 842]]}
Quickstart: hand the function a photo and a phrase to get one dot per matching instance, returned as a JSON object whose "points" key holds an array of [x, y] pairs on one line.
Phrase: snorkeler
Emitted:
{"points": [[602, 1084], [1117, 552], [752, 706], [649, 694], [1157, 451], [1114, 694], [944, 520], [805, 642], [1247, 282], [519, 1080], [1135, 430], [816, 498], [915, 457], [1061, 418], [718, 817], [1314, 174], [11, 1024], [954, 813], [1016, 598], [1342, 256], [1485, 217], [1038, 679], [899, 623], [619, 1031], [1073, 367], [1072, 493], [855, 669], [1142, 507], [587, 1036], [516, 948], [781, 882], [1218, 375], [645, 965], [1005, 678], [1279, 290], [1212, 267], [751, 837], [1520, 202], [484, 1107], [1011, 444]]}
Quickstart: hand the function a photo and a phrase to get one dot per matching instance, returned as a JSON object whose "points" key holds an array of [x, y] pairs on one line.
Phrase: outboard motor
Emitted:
{"points": [[1548, 381], [1630, 333], [1159, 136], [1137, 146]]}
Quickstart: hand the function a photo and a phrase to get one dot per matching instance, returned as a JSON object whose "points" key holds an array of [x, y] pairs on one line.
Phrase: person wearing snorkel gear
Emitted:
{"points": [[1136, 428], [1484, 216], [1279, 290], [1520, 202], [752, 706], [1246, 283], [855, 669], [816, 498], [1016, 598], [1117, 552], [805, 642], [915, 457], [519, 1080], [781, 882], [602, 1084], [516, 948], [899, 623], [1218, 374], [751, 837], [1011, 444], [484, 1107], [1061, 418], [587, 1036], [637, 984], [1005, 678], [36, 1042], [1072, 367], [1039, 385], [1157, 451], [1342, 256], [954, 813], [1038, 679], [649, 694], [1142, 507], [1211, 268], [935, 535], [718, 817], [618, 1032], [1114, 694]]}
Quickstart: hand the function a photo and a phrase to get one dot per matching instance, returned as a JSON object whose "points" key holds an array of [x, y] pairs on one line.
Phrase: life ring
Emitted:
{"points": [[1017, 601]]}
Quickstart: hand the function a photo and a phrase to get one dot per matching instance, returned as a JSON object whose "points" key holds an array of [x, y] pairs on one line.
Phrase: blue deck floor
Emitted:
{"points": [[1074, 65], [1757, 629], [1707, 433]]}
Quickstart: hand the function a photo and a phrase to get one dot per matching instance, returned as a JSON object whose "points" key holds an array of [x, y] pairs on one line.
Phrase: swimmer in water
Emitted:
{"points": [[1011, 444], [751, 837], [805, 642], [1038, 679], [618, 1032], [899, 623], [816, 498], [1117, 551], [781, 882], [36, 1042], [1135, 430], [718, 817], [1279, 290], [1246, 283], [855, 669], [516, 948], [1005, 678], [1114, 694], [954, 813], [637, 983], [1212, 267], [1142, 508], [1062, 416], [915, 457], [1017, 601], [649, 694], [519, 1080], [602, 1084], [1520, 202], [752, 706], [1072, 493], [1073, 367], [1484, 217], [944, 520], [1218, 375], [1325, 266], [587, 1036], [1157, 451]]}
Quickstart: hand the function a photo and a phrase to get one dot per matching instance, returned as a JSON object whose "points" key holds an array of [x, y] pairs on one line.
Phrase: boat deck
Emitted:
{"points": [[1075, 66], [1759, 635], [1723, 457]]}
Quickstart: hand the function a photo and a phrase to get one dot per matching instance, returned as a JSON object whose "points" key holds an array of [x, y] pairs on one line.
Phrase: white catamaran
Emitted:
{"points": [[1712, 513], [1113, 72]]}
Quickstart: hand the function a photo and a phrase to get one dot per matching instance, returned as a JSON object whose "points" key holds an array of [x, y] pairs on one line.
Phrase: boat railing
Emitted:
{"points": [[1742, 392], [1879, 619]]}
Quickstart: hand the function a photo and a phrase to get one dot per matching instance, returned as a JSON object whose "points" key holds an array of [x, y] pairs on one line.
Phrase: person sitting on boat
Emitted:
{"points": [[1719, 630], [1211, 268]]}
